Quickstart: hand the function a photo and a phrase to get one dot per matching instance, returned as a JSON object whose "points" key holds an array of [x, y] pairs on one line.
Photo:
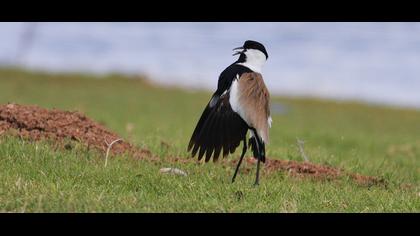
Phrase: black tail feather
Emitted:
{"points": [[254, 147]]}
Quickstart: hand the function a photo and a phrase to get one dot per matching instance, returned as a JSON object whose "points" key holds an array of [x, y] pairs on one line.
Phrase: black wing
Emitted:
{"points": [[219, 130], [228, 75]]}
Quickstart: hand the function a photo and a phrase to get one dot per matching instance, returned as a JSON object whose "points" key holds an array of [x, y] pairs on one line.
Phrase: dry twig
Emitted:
{"points": [[109, 148], [300, 145]]}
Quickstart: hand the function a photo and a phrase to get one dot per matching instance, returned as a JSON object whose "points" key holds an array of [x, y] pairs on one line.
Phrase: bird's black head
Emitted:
{"points": [[251, 44], [252, 55]]}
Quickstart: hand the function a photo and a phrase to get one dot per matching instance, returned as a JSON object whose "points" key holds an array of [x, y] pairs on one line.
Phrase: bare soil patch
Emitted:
{"points": [[35, 123]]}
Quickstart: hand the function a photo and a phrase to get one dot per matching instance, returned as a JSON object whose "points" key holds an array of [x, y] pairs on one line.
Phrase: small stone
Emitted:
{"points": [[173, 171]]}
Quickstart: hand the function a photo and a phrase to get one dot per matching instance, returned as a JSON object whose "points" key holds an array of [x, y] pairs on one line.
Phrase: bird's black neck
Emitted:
{"points": [[241, 59]]}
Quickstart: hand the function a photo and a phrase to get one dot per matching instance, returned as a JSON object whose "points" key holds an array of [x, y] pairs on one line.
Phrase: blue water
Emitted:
{"points": [[374, 62]]}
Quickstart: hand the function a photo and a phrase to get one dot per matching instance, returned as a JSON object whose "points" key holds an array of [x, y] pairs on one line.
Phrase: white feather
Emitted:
{"points": [[251, 134], [234, 99], [233, 95], [255, 60]]}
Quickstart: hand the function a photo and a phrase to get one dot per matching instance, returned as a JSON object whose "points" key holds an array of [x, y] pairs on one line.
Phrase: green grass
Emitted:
{"points": [[35, 177]]}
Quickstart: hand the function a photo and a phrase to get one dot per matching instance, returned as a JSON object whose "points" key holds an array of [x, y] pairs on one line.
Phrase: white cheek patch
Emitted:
{"points": [[255, 60]]}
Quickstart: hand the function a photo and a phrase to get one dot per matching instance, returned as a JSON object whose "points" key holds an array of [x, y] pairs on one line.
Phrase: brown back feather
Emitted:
{"points": [[254, 98]]}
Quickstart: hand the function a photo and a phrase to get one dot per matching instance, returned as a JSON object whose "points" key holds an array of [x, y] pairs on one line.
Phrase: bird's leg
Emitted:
{"points": [[257, 178], [240, 160]]}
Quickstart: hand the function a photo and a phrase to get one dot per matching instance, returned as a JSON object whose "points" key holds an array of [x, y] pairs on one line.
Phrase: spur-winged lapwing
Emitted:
{"points": [[240, 103]]}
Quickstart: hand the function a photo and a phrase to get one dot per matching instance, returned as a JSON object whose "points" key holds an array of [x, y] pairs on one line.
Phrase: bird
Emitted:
{"points": [[241, 103]]}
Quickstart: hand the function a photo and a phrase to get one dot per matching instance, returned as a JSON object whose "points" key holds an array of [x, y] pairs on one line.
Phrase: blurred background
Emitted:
{"points": [[369, 62], [149, 83]]}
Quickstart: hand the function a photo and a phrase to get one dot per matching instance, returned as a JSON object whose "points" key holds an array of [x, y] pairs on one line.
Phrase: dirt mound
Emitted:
{"points": [[322, 172], [298, 169], [36, 123]]}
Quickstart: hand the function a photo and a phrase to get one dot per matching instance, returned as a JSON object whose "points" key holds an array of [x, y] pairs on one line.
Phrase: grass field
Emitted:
{"points": [[369, 140]]}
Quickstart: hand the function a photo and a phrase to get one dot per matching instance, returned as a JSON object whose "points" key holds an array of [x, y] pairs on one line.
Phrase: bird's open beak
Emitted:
{"points": [[238, 50]]}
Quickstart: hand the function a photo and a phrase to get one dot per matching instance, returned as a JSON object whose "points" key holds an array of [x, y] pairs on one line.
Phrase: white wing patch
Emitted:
{"points": [[234, 98]]}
